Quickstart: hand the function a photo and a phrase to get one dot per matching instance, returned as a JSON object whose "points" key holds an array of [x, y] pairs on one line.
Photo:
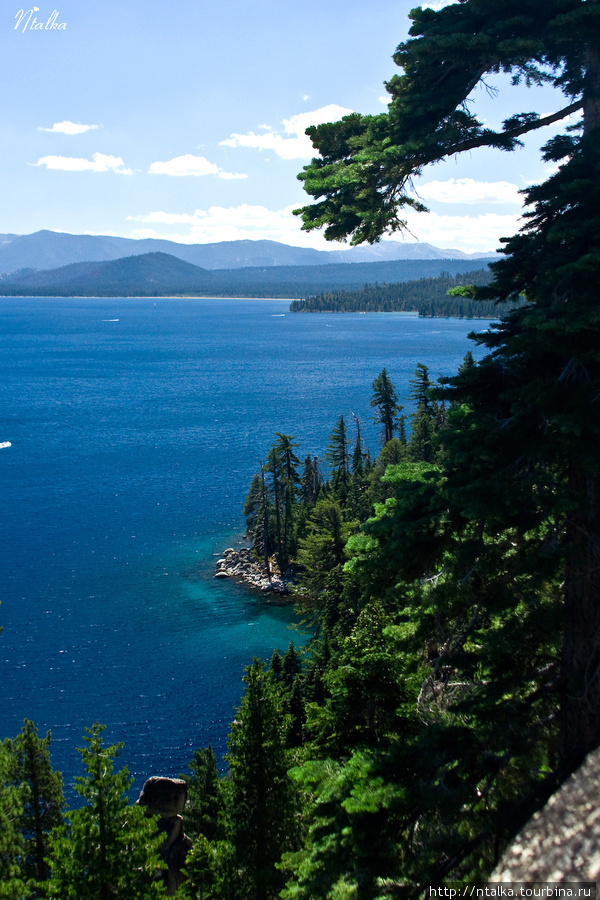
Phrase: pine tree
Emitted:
{"points": [[351, 850], [402, 431], [108, 849], [285, 676], [276, 666], [392, 453], [252, 506], [358, 452], [291, 664], [365, 689], [385, 400], [284, 448], [258, 512], [427, 418], [203, 866], [12, 801], [322, 549], [311, 482], [43, 810], [274, 469], [258, 822], [421, 445], [338, 457], [202, 807], [421, 386], [358, 502], [363, 177]]}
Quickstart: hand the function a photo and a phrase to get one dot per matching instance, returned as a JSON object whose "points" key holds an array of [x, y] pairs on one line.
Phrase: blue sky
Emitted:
{"points": [[185, 121]]}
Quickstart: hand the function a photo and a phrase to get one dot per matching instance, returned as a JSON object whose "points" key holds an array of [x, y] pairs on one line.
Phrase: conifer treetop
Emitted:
{"points": [[363, 177]]}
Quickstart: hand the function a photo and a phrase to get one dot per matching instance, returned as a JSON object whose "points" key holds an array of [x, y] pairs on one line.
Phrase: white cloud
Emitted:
{"points": [[218, 223], [477, 233], [67, 127], [298, 124], [292, 143], [472, 234], [468, 191], [230, 176], [100, 162], [191, 165], [165, 218]]}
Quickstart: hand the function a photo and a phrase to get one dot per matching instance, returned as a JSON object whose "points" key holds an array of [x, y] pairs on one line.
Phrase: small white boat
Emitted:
{"points": [[5, 444]]}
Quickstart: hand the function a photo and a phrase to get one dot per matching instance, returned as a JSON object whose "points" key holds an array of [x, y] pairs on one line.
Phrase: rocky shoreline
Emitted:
{"points": [[244, 566]]}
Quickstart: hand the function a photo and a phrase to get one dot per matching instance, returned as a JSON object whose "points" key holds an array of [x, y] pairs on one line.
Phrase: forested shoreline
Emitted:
{"points": [[436, 297], [404, 743]]}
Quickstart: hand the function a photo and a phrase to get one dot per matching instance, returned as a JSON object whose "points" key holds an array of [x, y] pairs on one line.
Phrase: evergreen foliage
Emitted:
{"points": [[42, 810], [12, 801], [270, 505], [311, 481], [385, 400], [446, 295], [203, 800], [338, 456], [108, 849], [487, 545], [259, 802]]}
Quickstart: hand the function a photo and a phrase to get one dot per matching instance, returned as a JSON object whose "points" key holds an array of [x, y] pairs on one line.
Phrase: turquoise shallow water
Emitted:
{"points": [[136, 426]]}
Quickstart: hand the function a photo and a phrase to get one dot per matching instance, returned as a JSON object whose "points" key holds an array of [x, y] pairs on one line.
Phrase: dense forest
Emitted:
{"points": [[427, 296], [451, 585]]}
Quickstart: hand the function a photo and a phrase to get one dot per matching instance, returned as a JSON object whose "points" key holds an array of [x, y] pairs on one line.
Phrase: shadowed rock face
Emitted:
{"points": [[562, 840], [165, 797]]}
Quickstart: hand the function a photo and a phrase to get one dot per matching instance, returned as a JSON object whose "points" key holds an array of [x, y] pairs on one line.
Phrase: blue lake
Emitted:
{"points": [[136, 426]]}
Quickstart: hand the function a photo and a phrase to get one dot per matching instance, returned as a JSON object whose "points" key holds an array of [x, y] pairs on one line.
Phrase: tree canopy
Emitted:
{"points": [[533, 402], [363, 177]]}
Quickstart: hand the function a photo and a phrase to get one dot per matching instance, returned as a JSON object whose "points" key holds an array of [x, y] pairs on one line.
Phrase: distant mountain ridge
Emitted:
{"points": [[52, 250], [160, 274]]}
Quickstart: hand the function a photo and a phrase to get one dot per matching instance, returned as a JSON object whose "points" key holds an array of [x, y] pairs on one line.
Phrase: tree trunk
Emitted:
{"points": [[580, 700], [265, 522], [591, 98]]}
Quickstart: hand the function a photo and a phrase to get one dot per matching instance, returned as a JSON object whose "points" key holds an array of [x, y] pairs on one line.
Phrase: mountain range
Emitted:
{"points": [[160, 274], [52, 250]]}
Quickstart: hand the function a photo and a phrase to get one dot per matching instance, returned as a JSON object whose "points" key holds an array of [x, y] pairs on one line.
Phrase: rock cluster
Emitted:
{"points": [[165, 797], [244, 565]]}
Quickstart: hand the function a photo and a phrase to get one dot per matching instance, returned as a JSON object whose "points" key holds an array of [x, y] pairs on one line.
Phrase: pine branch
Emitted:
{"points": [[511, 133]]}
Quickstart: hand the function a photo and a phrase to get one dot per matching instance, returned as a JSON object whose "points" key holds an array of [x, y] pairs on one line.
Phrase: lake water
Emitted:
{"points": [[136, 426]]}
